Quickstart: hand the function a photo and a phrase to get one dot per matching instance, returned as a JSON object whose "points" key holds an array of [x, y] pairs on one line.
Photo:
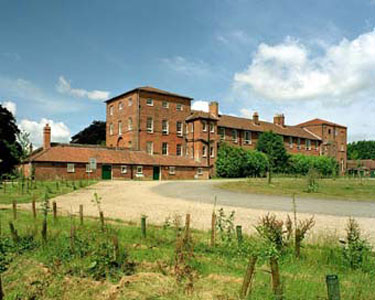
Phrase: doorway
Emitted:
{"points": [[156, 173], [106, 172]]}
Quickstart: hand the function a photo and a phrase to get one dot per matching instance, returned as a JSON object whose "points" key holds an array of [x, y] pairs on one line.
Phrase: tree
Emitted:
{"points": [[93, 134], [272, 145], [9, 146], [361, 150]]}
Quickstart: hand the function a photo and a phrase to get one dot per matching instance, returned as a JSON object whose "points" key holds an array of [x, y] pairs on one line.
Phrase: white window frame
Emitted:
{"points": [[120, 106], [130, 123], [119, 128], [222, 133], [291, 142], [179, 107], [140, 170], [150, 129], [151, 152], [88, 168], [111, 110], [204, 151], [180, 151], [165, 104], [204, 126], [212, 151], [70, 168], [299, 143], [179, 132], [308, 144], [172, 170], [200, 171], [165, 131], [235, 137], [130, 101], [124, 169], [150, 102], [342, 148], [248, 140], [111, 129], [316, 145], [212, 127], [167, 148]]}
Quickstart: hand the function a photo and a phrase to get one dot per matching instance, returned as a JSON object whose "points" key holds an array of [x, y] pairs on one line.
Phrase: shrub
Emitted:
{"points": [[235, 162], [301, 165]]}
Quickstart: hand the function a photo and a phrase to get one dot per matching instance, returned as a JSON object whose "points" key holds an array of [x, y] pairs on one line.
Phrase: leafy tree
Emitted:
{"points": [[9, 147], [272, 145], [301, 164], [93, 134], [361, 150]]}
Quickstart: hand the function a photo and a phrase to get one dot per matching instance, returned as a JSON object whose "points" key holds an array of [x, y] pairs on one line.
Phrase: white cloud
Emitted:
{"points": [[290, 71], [200, 105], [11, 106], [187, 67], [234, 36], [64, 87], [59, 131], [246, 113]]}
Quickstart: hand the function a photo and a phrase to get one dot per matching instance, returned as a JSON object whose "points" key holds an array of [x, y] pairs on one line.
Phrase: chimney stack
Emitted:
{"points": [[256, 118], [46, 137], [279, 119], [213, 108]]}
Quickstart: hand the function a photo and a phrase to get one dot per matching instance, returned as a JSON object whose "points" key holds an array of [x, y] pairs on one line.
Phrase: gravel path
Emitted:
{"points": [[128, 200]]}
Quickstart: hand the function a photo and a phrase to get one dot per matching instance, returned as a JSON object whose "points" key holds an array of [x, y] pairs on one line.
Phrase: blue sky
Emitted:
{"points": [[307, 59]]}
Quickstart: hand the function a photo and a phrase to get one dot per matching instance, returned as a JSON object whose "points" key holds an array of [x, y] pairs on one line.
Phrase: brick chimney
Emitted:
{"points": [[213, 108], [256, 118], [46, 137], [279, 119]]}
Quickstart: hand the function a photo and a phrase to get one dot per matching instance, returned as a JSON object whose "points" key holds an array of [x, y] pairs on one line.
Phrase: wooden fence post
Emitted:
{"points": [[333, 287], [72, 237], [81, 214], [239, 234], [143, 226], [14, 233], [116, 247], [213, 229], [54, 208], [14, 206], [187, 226], [33, 207], [250, 271], [276, 282]]}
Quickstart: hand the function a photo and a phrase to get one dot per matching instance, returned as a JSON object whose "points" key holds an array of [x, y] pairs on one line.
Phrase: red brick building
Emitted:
{"points": [[154, 134]]}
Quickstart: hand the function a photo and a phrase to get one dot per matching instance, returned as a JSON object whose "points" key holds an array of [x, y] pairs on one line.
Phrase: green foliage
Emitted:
{"points": [[301, 165], [361, 150], [312, 184], [272, 145], [234, 162], [93, 134], [225, 226]]}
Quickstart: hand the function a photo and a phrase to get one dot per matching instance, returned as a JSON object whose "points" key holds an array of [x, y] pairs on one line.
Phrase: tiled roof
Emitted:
{"points": [[319, 122], [82, 154], [151, 90], [248, 124], [198, 114]]}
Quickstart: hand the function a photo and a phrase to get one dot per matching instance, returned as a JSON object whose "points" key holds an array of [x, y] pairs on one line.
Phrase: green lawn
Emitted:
{"points": [[343, 188], [84, 269], [11, 191]]}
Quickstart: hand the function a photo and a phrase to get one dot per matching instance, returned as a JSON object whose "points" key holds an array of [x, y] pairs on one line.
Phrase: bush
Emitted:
{"points": [[235, 162], [301, 165]]}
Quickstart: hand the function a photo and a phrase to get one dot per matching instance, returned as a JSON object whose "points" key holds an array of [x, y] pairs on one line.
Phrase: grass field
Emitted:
{"points": [[87, 266], [343, 188], [10, 191]]}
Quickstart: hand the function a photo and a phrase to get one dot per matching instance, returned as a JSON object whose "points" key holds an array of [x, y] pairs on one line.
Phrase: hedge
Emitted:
{"points": [[301, 164], [234, 162]]}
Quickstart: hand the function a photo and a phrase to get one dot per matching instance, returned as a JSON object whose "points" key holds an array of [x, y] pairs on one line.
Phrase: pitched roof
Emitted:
{"points": [[248, 124], [319, 122], [199, 114], [82, 154], [151, 90]]}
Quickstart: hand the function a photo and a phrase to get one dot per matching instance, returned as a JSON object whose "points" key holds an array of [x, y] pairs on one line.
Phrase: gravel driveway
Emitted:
{"points": [[128, 200]]}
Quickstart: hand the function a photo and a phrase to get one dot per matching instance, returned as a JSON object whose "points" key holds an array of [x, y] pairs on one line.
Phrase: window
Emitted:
{"points": [[111, 110], [234, 135], [111, 129], [164, 149], [124, 169], [130, 144], [165, 127], [179, 128], [70, 168], [88, 168], [165, 104], [222, 133], [212, 153], [200, 171], [192, 127], [150, 125], [342, 147], [212, 127], [149, 148], [179, 107], [192, 152], [179, 150], [336, 132], [187, 128], [290, 142], [130, 124], [172, 170], [204, 151], [248, 137], [119, 128], [120, 106], [130, 101], [150, 102], [308, 144], [329, 131], [299, 144], [139, 170], [204, 125], [316, 145]]}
